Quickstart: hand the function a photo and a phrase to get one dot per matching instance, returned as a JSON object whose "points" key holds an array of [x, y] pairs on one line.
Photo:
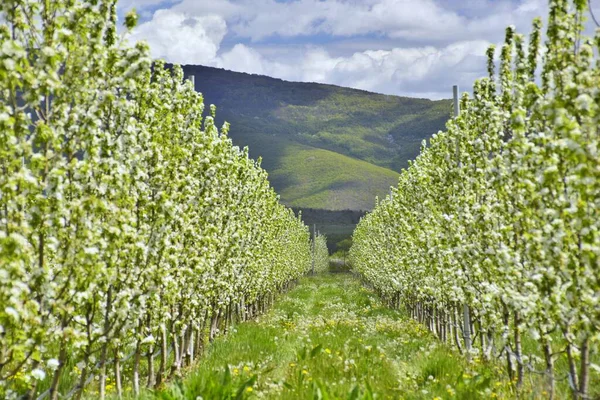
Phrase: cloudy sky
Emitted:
{"points": [[416, 48]]}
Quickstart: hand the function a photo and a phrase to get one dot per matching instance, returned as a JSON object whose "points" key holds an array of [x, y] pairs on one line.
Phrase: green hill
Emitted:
{"points": [[324, 146]]}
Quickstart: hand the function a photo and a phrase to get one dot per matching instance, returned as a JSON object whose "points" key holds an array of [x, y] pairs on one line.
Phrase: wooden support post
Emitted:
{"points": [[313, 247]]}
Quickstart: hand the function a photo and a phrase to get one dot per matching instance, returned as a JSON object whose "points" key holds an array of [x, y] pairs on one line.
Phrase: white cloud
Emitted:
{"points": [[244, 59], [317, 66], [424, 70], [407, 47], [404, 70], [182, 39], [414, 20]]}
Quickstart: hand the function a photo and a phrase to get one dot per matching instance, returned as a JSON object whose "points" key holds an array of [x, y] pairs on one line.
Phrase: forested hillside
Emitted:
{"points": [[324, 146]]}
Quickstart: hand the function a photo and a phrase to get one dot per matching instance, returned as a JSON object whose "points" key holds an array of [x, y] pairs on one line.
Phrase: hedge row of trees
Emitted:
{"points": [[492, 237], [321, 254], [131, 229]]}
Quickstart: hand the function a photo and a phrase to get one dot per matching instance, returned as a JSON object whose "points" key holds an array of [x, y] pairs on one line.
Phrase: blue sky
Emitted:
{"points": [[417, 48]]}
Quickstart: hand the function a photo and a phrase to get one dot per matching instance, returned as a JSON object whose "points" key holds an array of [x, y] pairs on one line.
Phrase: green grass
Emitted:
{"points": [[330, 338], [315, 178], [309, 177]]}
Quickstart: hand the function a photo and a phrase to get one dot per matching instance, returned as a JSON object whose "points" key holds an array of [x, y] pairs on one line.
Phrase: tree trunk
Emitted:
{"points": [[549, 368], [163, 355], [103, 356], [176, 354], [584, 369], [481, 337], [150, 358], [455, 323], [507, 348], [62, 359], [104, 352], [213, 326], [185, 342], [467, 330], [518, 350], [118, 383], [83, 378], [191, 347], [490, 345], [136, 368], [573, 381]]}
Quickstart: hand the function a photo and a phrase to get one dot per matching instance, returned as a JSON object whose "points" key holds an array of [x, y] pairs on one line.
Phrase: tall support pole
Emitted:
{"points": [[192, 78], [467, 331], [466, 311], [456, 102], [313, 247]]}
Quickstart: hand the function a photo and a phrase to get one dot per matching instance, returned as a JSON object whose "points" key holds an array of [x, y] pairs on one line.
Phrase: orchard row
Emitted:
{"points": [[492, 237], [131, 229]]}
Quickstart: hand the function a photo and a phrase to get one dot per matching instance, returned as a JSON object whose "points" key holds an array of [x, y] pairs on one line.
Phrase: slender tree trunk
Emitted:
{"points": [[455, 323], [150, 358], [467, 330], [227, 316], [185, 343], [549, 367], [104, 352], [518, 350], [103, 356], [200, 339], [572, 371], [118, 383], [481, 337], [490, 345], [176, 354], [191, 348], [62, 359], [136, 368], [213, 326], [584, 369], [83, 378], [243, 309], [507, 347], [163, 355]]}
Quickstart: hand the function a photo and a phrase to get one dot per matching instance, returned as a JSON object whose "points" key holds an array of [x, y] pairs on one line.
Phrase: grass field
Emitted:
{"points": [[331, 338], [310, 177]]}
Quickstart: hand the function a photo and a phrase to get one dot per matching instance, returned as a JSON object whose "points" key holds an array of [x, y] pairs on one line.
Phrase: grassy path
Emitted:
{"points": [[330, 338]]}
